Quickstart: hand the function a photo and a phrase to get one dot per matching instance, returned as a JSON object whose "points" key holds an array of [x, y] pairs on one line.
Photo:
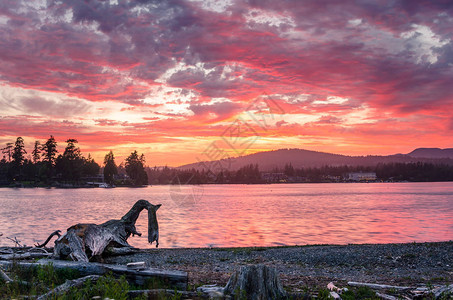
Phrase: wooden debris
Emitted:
{"points": [[443, 290], [379, 286], [386, 297], [84, 242], [15, 241], [212, 291], [6, 251], [27, 255], [256, 282], [136, 265], [172, 278], [55, 233], [65, 287], [113, 251], [5, 277], [8, 279], [335, 295], [156, 293]]}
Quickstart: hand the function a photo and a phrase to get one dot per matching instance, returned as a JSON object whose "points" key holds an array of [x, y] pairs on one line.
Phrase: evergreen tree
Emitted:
{"points": [[90, 167], [17, 158], [50, 151], [72, 152], [8, 150], [18, 152], [135, 169], [71, 164], [36, 153], [110, 168]]}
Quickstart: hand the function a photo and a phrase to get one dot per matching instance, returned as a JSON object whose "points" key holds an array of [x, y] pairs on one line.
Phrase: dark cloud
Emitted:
{"points": [[51, 108], [221, 110]]}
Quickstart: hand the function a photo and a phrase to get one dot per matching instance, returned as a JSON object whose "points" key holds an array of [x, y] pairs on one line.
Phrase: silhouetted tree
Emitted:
{"points": [[19, 151], [135, 169], [110, 168], [71, 151], [36, 153], [70, 164], [18, 158], [90, 167], [8, 150], [50, 152]]}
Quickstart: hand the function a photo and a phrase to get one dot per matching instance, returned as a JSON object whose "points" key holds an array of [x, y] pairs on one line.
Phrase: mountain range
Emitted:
{"points": [[300, 158]]}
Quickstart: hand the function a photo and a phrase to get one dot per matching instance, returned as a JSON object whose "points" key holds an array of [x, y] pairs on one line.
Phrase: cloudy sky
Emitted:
{"points": [[183, 81]]}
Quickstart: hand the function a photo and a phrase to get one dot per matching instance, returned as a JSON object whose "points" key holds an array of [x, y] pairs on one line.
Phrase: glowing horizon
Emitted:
{"points": [[170, 79]]}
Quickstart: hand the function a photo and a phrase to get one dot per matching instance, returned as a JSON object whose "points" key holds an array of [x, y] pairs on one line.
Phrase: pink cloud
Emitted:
{"points": [[98, 51]]}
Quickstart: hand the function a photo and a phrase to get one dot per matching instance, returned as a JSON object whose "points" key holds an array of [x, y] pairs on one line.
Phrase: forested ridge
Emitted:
{"points": [[43, 165]]}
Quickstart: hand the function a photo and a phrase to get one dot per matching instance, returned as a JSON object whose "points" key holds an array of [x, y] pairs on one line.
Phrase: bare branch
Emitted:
{"points": [[55, 233]]}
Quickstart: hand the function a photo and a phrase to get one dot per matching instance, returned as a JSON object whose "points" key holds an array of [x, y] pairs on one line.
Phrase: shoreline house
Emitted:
{"points": [[361, 176]]}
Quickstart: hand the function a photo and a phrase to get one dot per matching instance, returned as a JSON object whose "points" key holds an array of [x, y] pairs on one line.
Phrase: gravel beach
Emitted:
{"points": [[302, 267]]}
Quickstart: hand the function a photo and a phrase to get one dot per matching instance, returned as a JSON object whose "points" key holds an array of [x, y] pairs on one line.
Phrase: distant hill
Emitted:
{"points": [[432, 153], [300, 158]]}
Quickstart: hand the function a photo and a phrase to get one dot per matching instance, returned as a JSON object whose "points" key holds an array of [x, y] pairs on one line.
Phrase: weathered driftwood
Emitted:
{"points": [[212, 291], [5, 277], [112, 251], [379, 286], [8, 279], [156, 293], [4, 250], [15, 241], [55, 233], [172, 278], [255, 282], [24, 253], [386, 297], [139, 265], [447, 290], [83, 242], [28, 255], [65, 287]]}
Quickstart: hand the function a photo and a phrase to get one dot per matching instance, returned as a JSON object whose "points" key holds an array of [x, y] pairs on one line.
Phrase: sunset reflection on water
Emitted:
{"points": [[243, 215]]}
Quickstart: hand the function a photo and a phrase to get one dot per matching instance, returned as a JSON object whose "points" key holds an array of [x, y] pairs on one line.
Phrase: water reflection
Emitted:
{"points": [[243, 215]]}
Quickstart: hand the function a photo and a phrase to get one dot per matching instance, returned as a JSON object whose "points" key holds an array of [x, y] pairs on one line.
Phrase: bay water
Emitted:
{"points": [[242, 215]]}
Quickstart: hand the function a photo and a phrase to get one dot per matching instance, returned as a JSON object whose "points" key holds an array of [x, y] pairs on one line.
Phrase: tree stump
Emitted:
{"points": [[255, 282]]}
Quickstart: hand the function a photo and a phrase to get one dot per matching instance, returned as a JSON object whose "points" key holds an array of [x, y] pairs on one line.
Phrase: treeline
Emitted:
{"points": [[418, 172], [43, 166], [413, 171], [249, 174]]}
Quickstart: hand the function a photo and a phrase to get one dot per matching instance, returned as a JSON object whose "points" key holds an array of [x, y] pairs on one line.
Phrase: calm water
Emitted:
{"points": [[243, 215]]}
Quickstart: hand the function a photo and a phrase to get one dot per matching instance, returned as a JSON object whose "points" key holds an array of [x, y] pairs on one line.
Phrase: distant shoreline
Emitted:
{"points": [[193, 184]]}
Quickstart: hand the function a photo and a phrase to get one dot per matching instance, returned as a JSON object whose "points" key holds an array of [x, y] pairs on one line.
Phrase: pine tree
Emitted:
{"points": [[36, 153], [135, 169], [50, 151], [110, 168]]}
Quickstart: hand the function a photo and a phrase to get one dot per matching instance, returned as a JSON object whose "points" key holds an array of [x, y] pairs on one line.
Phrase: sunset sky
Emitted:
{"points": [[183, 81]]}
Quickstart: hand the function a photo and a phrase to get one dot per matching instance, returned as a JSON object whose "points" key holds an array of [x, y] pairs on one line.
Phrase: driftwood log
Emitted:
{"points": [[175, 279], [65, 287], [85, 242]]}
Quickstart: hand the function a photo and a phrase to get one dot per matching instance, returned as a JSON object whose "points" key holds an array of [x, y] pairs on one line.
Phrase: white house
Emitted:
{"points": [[361, 176]]}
